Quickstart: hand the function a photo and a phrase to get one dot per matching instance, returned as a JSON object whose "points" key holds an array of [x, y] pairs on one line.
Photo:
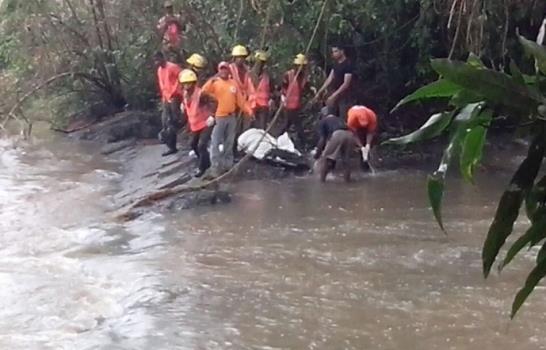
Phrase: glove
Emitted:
{"points": [[182, 109], [283, 100], [221, 148], [365, 153], [192, 154], [271, 105], [210, 121]]}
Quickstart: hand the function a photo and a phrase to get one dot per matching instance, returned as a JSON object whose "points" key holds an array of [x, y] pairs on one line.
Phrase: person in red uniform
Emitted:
{"points": [[263, 90], [362, 121], [170, 28], [167, 77], [293, 85], [240, 73], [199, 110]]}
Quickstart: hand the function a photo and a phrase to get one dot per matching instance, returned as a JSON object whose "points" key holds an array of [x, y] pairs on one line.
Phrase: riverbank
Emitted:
{"points": [[130, 139]]}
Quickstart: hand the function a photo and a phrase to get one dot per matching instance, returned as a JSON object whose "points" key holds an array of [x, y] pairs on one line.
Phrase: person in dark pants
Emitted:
{"points": [[293, 85], [336, 143], [199, 109], [263, 90], [167, 76], [339, 83]]}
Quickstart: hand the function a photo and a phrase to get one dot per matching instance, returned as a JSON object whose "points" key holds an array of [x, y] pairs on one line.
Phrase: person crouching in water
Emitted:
{"points": [[230, 100], [336, 143], [198, 109], [362, 121]]}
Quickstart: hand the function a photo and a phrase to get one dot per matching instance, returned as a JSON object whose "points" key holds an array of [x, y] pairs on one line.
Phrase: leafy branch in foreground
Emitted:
{"points": [[476, 97]]}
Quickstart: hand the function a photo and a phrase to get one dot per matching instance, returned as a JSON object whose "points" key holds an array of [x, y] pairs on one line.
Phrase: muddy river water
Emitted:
{"points": [[289, 264]]}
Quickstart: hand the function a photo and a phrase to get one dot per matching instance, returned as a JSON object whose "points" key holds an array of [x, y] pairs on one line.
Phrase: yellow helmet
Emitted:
{"points": [[197, 61], [261, 55], [187, 76], [239, 51], [300, 60]]}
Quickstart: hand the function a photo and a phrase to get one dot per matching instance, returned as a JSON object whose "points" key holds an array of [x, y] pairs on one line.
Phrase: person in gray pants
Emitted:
{"points": [[223, 134]]}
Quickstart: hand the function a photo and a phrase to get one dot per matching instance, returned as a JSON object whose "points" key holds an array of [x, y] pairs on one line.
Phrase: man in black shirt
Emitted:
{"points": [[339, 83]]}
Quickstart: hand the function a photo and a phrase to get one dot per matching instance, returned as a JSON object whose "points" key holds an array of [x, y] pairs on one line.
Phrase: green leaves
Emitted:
{"points": [[435, 189], [432, 128], [510, 203], [437, 89], [493, 86], [535, 50], [536, 275], [472, 151]]}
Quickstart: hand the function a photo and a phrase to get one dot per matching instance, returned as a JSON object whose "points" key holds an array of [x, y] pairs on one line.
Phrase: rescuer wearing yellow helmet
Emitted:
{"points": [[292, 89], [263, 89], [198, 109]]}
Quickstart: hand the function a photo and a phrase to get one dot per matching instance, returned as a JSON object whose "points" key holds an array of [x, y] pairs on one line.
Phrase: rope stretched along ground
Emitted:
{"points": [[148, 200]]}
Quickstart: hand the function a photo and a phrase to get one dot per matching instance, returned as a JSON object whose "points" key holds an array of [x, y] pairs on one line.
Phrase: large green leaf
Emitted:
{"points": [[437, 89], [472, 146], [435, 189], [494, 86], [436, 181], [536, 232], [510, 203], [465, 97], [534, 278], [535, 198], [535, 50], [472, 152], [434, 126]]}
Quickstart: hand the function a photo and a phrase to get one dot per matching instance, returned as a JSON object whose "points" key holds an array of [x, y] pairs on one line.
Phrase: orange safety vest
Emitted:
{"points": [[245, 84], [263, 92], [168, 81], [294, 91], [197, 116]]}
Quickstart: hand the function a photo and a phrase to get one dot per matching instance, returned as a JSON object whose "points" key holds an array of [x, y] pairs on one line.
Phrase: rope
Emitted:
{"points": [[185, 188]]}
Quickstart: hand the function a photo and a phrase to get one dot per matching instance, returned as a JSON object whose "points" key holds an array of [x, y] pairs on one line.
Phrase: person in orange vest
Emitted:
{"points": [[170, 28], [199, 109], [230, 100], [362, 121], [240, 73], [167, 77], [293, 85], [263, 88]]}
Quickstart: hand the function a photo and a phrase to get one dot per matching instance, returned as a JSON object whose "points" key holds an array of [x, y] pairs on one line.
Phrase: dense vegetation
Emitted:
{"points": [[476, 98], [108, 44]]}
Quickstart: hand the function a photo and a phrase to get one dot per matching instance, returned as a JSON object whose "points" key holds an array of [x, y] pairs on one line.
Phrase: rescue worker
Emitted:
{"points": [[229, 100], [339, 83], [170, 28], [196, 63], [167, 77], [336, 143], [293, 86], [199, 109], [240, 73], [263, 88], [362, 121]]}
